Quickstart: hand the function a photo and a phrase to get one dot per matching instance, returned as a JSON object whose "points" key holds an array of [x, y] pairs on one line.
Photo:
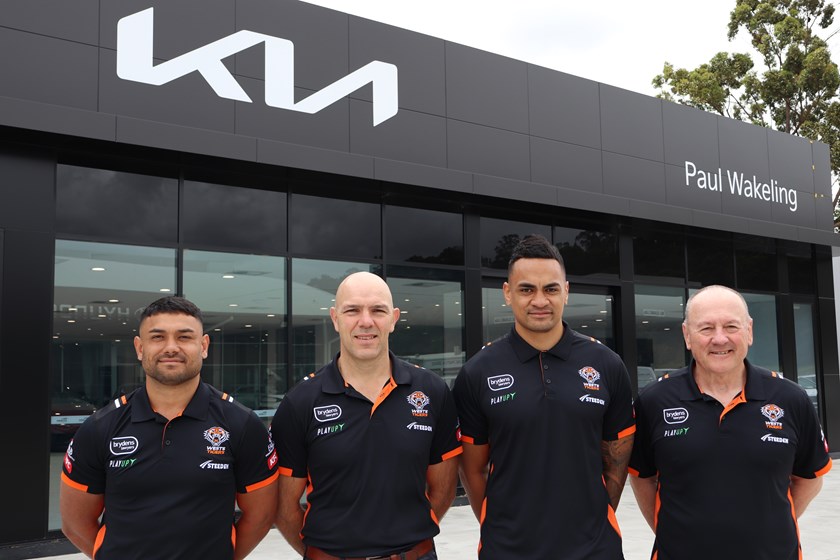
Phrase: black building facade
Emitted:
{"points": [[248, 154]]}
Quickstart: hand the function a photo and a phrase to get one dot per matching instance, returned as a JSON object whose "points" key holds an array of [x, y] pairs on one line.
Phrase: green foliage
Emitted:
{"points": [[795, 88]]}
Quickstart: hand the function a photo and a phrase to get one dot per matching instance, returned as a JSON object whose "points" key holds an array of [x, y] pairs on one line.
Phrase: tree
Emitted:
{"points": [[797, 91]]}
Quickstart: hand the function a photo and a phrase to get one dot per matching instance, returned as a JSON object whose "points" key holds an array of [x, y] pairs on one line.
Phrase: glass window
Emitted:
{"points": [[801, 269], [100, 290], [243, 301], [233, 217], [659, 340], [588, 252], [755, 264], [314, 284], [333, 227], [115, 205], [441, 241], [806, 362], [430, 332], [711, 259], [659, 254], [499, 237], [496, 315], [764, 351]]}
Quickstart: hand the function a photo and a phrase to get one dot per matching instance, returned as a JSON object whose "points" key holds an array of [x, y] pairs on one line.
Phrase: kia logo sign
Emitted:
{"points": [[135, 62]]}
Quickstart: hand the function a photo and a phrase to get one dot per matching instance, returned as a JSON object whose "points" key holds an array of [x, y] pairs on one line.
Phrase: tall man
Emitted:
{"points": [[546, 424], [728, 454], [168, 462], [374, 437]]}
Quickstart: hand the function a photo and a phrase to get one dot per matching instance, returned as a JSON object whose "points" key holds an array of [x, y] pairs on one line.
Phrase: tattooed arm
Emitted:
{"points": [[616, 456]]}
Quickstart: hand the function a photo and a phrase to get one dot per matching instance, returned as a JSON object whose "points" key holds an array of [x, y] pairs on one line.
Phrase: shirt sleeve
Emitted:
{"points": [[446, 443], [256, 459], [289, 435], [619, 420], [812, 459], [472, 420], [642, 461], [84, 461]]}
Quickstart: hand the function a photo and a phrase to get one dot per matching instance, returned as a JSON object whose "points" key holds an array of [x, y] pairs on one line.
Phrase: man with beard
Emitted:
{"points": [[168, 462]]}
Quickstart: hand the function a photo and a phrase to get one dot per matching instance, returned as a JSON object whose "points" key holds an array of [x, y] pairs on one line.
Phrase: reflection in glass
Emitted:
{"points": [[100, 290], [806, 362], [755, 264], [314, 284], [430, 331], [234, 217], [587, 252], [499, 237], [659, 254], [333, 227], [764, 351], [710, 259], [660, 345], [441, 240], [115, 205], [243, 301]]}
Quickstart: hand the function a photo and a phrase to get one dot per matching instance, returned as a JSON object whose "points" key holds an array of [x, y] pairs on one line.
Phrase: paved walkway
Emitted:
{"points": [[459, 530]]}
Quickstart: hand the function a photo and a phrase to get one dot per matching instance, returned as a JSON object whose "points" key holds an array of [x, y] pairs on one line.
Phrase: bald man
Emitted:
{"points": [[373, 437], [727, 454]]}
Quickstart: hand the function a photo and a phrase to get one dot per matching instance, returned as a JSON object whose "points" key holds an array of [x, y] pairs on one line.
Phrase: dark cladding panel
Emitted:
{"points": [[409, 136], [690, 195], [790, 161], [319, 36], [329, 128], [179, 27], [75, 21], [48, 70], [27, 192], [564, 107], [631, 124], [795, 208], [823, 205], [486, 89], [743, 148], [566, 165], [690, 135], [489, 151], [746, 207], [634, 178], [25, 346], [187, 101], [420, 62]]}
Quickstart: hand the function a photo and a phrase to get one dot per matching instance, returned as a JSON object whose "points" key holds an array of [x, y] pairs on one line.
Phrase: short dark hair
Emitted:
{"points": [[535, 246], [172, 304]]}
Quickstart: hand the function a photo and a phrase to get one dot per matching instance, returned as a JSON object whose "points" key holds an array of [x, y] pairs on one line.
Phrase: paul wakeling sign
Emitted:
{"points": [[135, 45]]}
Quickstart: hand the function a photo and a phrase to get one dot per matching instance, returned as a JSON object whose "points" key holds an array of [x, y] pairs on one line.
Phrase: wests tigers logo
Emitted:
{"points": [[590, 377], [419, 401], [216, 436], [773, 413]]}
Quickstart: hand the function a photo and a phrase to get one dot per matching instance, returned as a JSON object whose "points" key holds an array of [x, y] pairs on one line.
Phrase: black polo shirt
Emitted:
{"points": [[724, 472], [544, 415], [366, 461], [170, 487]]}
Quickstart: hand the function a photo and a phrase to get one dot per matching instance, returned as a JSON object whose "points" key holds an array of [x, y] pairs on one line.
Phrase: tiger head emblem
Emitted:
{"points": [[216, 435], [772, 412], [418, 400], [589, 374]]}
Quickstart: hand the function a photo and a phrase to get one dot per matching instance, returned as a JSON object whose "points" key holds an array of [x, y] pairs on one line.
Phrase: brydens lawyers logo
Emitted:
{"points": [[419, 401], [590, 377], [773, 413], [124, 445], [675, 415], [500, 382], [327, 413], [135, 62]]}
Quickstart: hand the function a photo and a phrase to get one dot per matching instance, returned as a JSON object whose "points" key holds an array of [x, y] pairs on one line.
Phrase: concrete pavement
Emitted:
{"points": [[459, 530]]}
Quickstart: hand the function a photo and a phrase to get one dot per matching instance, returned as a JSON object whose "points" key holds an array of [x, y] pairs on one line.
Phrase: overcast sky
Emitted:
{"points": [[620, 43]]}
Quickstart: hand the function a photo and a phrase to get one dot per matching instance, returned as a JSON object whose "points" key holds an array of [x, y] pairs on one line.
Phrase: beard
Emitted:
{"points": [[171, 378]]}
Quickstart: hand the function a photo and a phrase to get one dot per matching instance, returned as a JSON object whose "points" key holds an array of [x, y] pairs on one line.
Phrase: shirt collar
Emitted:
{"points": [[525, 351], [334, 383], [198, 407], [754, 388]]}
